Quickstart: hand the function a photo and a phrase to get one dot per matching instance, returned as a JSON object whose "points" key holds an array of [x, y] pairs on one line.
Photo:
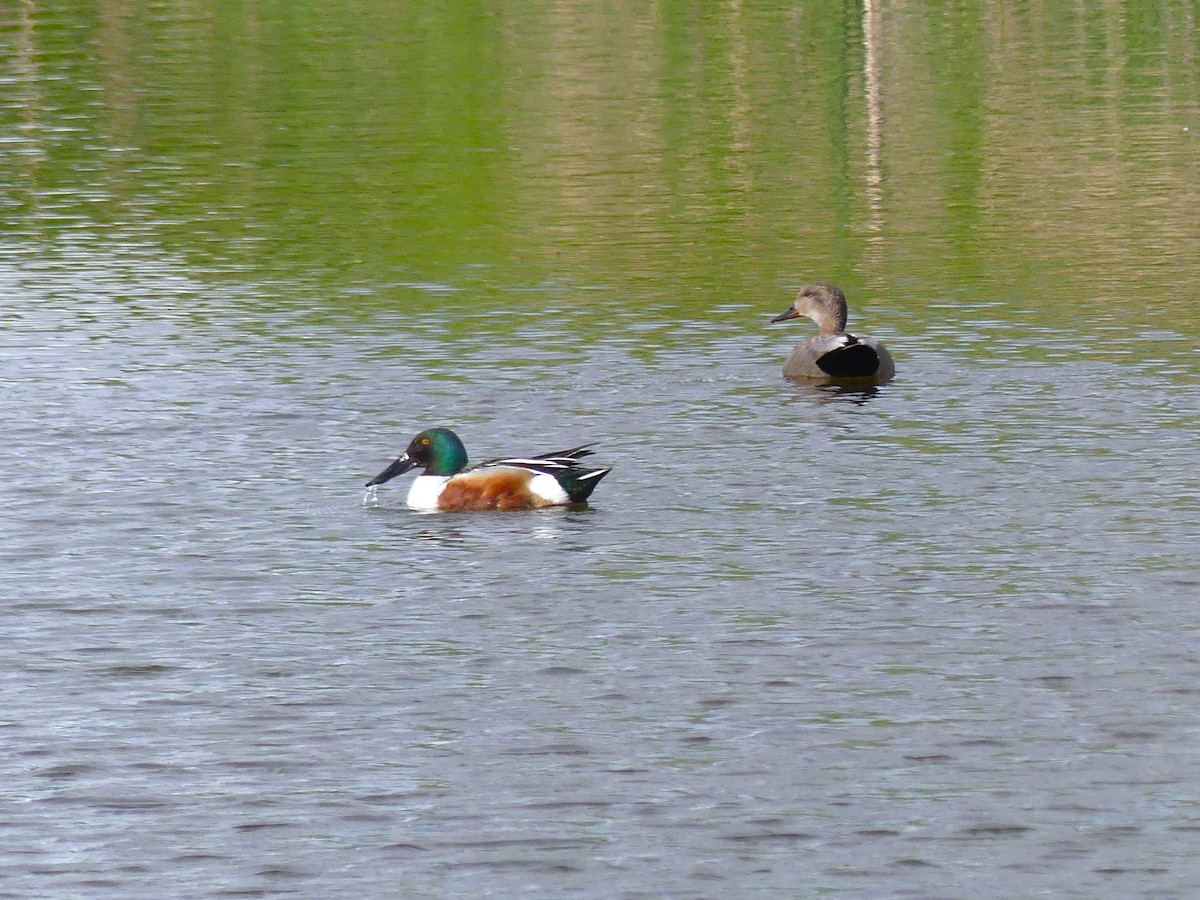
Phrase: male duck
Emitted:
{"points": [[832, 354], [552, 479]]}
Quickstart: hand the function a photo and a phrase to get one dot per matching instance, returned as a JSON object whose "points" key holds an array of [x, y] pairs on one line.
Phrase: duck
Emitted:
{"points": [[551, 479], [832, 354]]}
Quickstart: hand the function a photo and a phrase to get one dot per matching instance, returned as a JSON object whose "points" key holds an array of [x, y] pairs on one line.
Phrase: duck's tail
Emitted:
{"points": [[579, 483]]}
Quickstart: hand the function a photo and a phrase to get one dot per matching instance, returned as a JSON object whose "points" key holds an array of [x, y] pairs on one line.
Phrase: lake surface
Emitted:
{"points": [[933, 640]]}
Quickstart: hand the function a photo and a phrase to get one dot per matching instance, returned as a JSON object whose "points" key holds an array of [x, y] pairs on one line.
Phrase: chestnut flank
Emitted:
{"points": [[500, 488]]}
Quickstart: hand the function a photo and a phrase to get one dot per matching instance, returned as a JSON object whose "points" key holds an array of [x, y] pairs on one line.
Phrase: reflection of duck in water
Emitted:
{"points": [[833, 354], [552, 479]]}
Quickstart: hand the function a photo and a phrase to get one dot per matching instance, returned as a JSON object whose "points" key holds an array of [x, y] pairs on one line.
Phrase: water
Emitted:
{"points": [[897, 643], [936, 639]]}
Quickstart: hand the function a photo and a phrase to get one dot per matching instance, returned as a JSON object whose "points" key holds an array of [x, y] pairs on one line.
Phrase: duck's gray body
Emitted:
{"points": [[833, 354], [840, 355]]}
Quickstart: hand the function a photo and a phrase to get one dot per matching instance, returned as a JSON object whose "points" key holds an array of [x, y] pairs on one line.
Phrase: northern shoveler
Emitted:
{"points": [[552, 479], [832, 354]]}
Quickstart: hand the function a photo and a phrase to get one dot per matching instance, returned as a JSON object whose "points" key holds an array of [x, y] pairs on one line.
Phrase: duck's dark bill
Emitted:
{"points": [[399, 467], [789, 313]]}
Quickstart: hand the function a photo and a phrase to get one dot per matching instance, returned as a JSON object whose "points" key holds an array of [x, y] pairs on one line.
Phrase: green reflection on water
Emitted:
{"points": [[668, 157]]}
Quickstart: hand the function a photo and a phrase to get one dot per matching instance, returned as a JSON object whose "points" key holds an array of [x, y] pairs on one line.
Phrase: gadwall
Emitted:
{"points": [[832, 354], [552, 479]]}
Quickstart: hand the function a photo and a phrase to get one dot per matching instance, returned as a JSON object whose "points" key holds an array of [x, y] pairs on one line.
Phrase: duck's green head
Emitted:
{"points": [[437, 450]]}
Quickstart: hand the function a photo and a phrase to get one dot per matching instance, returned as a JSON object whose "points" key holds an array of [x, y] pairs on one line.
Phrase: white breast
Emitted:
{"points": [[425, 491]]}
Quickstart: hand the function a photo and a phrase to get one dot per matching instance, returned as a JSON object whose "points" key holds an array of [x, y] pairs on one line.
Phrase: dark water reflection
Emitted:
{"points": [[836, 393]]}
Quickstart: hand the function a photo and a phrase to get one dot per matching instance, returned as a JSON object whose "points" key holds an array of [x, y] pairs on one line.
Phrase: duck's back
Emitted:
{"points": [[840, 355]]}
